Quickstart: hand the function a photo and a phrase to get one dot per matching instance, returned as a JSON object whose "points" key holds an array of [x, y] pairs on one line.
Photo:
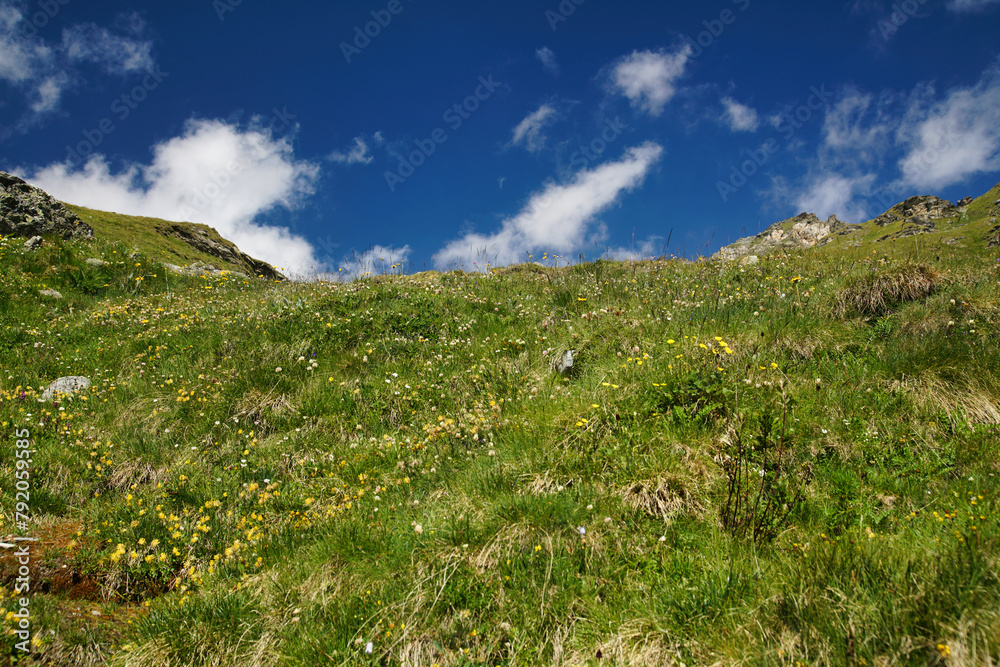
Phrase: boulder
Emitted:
{"points": [[964, 202], [66, 385], [32, 243], [26, 211], [96, 263], [50, 293]]}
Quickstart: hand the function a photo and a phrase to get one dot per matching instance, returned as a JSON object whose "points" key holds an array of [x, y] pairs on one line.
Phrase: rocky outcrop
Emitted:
{"points": [[207, 240], [27, 211], [803, 231], [918, 210]]}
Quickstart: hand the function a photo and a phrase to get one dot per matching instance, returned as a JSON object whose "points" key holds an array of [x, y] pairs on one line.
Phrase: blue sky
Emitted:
{"points": [[451, 134]]}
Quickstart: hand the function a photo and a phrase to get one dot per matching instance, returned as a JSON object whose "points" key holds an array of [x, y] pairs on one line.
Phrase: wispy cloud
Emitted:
{"points": [[116, 53], [547, 57], [970, 5], [740, 117], [952, 139], [358, 153], [40, 72], [560, 218], [648, 79], [215, 173], [529, 132], [874, 146]]}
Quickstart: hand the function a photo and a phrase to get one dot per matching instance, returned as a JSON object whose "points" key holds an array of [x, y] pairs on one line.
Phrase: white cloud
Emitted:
{"points": [[358, 154], [115, 53], [649, 79], [42, 72], [834, 194], [547, 57], [954, 138], [970, 5], [557, 219], [214, 173], [528, 132], [740, 117], [375, 261]]}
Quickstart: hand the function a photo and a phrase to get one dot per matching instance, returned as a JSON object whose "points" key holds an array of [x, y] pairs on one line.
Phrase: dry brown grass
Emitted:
{"points": [[875, 294], [967, 402]]}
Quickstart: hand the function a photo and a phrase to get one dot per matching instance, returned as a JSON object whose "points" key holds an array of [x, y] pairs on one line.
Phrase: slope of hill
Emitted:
{"points": [[789, 462], [177, 243], [932, 222]]}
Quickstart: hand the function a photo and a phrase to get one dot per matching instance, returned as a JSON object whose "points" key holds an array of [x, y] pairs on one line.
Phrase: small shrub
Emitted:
{"points": [[762, 485], [875, 294]]}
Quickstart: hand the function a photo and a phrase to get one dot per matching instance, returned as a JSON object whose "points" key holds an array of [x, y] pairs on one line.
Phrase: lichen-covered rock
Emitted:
{"points": [[32, 243], [66, 385], [923, 208], [50, 293], [27, 211], [803, 231]]}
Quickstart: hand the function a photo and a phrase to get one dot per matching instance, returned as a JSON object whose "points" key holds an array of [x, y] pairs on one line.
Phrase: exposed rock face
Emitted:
{"points": [[917, 215], [200, 239], [803, 231], [27, 211], [964, 202], [919, 210]]}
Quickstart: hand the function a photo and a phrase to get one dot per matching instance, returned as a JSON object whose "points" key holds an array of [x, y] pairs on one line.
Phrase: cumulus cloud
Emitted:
{"points": [[377, 260], [970, 5], [740, 117], [529, 132], [952, 139], [41, 72], [559, 218], [214, 173], [648, 79], [357, 154], [547, 57]]}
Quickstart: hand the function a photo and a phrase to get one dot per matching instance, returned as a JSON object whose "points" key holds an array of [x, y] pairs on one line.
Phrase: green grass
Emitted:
{"points": [[280, 473]]}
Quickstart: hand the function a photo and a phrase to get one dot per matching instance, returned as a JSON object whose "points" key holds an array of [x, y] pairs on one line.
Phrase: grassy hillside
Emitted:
{"points": [[788, 463], [161, 240]]}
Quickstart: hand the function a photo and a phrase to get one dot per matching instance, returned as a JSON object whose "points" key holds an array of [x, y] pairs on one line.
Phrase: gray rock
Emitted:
{"points": [[803, 231], [96, 263], [564, 363], [66, 385], [749, 260], [33, 243], [26, 211], [964, 202], [50, 292]]}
